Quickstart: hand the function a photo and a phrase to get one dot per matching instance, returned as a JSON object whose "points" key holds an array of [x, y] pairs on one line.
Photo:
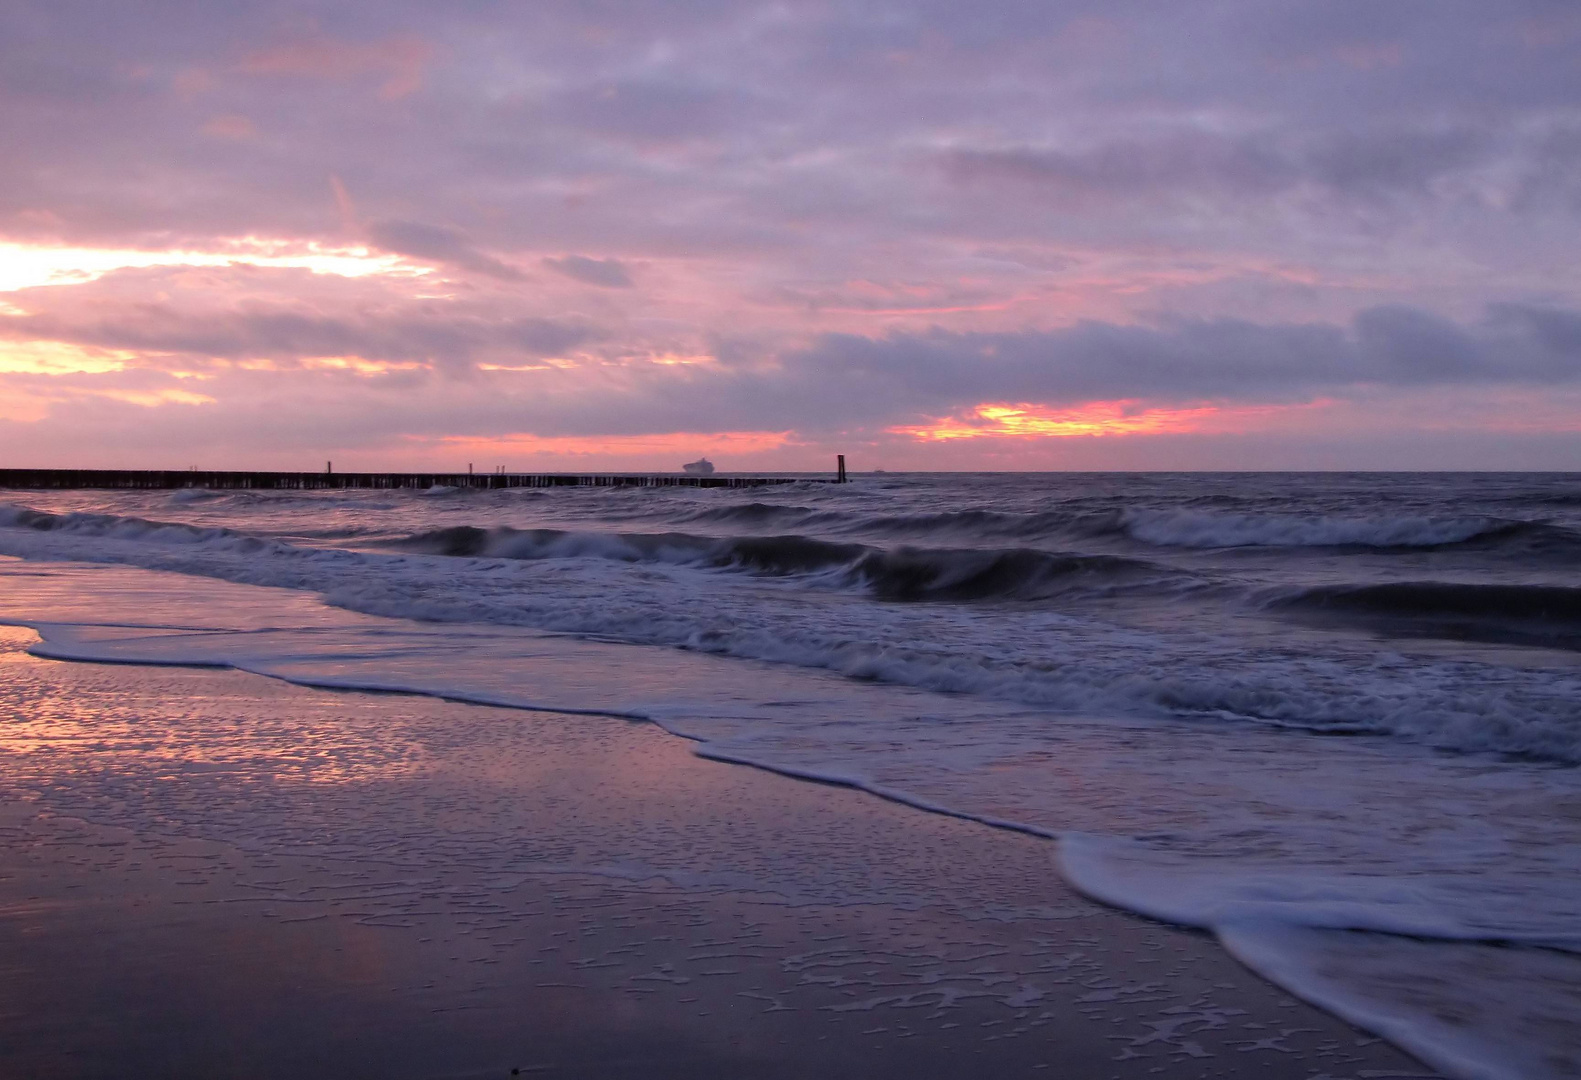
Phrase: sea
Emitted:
{"points": [[1333, 719]]}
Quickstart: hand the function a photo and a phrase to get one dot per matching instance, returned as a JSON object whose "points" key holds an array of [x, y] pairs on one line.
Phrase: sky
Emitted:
{"points": [[1012, 234]]}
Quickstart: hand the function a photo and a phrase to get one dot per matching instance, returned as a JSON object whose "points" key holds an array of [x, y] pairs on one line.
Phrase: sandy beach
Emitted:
{"points": [[210, 873]]}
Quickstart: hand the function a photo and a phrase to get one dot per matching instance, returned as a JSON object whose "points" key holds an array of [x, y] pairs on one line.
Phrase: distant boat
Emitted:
{"points": [[700, 467]]}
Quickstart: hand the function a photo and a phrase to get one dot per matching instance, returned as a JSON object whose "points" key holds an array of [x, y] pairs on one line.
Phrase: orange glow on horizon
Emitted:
{"points": [[678, 444], [1094, 419], [1023, 420]]}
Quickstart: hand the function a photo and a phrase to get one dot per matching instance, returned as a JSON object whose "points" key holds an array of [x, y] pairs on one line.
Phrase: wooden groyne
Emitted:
{"points": [[155, 479]]}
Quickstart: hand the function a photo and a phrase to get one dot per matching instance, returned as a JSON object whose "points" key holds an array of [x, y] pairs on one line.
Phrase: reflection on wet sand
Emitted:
{"points": [[211, 873]]}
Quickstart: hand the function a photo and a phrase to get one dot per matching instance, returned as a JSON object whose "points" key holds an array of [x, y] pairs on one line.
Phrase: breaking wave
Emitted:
{"points": [[113, 527], [1078, 522], [1527, 614], [1024, 574], [906, 573], [693, 592]]}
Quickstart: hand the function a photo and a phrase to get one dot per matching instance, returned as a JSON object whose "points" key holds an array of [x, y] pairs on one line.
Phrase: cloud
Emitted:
{"points": [[572, 376], [441, 245], [608, 273], [673, 108], [1189, 164], [1202, 394], [937, 373], [861, 215], [362, 322], [399, 61], [230, 126]]}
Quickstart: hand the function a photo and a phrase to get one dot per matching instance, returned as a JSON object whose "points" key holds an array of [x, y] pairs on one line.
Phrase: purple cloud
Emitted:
{"points": [[845, 216], [607, 273]]}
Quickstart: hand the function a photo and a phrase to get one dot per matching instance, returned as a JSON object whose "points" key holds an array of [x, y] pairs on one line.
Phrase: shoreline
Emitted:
{"points": [[460, 890]]}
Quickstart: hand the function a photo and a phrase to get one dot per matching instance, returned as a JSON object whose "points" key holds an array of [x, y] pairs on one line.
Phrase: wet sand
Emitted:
{"points": [[208, 873]]}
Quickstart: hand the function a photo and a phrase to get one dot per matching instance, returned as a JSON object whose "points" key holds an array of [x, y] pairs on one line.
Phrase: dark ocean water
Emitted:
{"points": [[1230, 595]]}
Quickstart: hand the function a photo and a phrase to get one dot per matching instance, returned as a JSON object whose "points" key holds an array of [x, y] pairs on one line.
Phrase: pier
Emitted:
{"points": [[158, 479]]}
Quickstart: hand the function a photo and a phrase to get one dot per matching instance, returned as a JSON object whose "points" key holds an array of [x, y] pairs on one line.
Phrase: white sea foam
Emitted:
{"points": [[1474, 1011]]}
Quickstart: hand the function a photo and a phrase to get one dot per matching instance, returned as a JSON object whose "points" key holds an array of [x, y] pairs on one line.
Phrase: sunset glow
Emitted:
{"points": [[58, 358], [546, 228], [1023, 421], [150, 398], [679, 446], [356, 364], [26, 266]]}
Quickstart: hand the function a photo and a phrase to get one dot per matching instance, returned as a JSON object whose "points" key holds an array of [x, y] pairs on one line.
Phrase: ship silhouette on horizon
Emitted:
{"points": [[700, 467]]}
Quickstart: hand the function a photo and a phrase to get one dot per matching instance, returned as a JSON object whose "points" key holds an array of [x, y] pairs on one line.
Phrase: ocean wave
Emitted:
{"points": [[193, 496], [1195, 529], [264, 501], [902, 574], [1189, 525], [1525, 614], [975, 524], [979, 522], [755, 514], [766, 554], [787, 601], [1021, 573], [1565, 499], [114, 527]]}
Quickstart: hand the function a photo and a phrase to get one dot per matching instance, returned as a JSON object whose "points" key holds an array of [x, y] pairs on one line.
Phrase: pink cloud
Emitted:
{"points": [[398, 60], [230, 126]]}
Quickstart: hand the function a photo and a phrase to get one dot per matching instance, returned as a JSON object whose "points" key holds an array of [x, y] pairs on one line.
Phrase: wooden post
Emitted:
{"points": [[840, 475]]}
